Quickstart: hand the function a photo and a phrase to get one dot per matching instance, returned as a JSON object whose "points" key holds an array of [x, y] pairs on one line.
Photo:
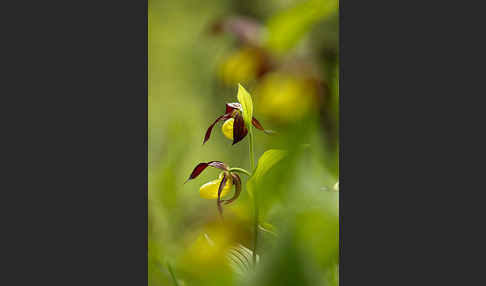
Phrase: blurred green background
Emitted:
{"points": [[285, 53]]}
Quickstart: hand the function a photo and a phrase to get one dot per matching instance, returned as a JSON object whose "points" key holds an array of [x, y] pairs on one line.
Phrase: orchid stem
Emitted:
{"points": [[240, 170], [255, 202], [255, 228], [252, 160], [172, 274]]}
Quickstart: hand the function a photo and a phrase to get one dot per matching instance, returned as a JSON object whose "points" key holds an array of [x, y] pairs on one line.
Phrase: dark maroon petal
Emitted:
{"points": [[232, 106], [219, 165], [199, 168], [208, 132], [257, 125], [202, 166], [237, 183], [239, 129], [220, 189]]}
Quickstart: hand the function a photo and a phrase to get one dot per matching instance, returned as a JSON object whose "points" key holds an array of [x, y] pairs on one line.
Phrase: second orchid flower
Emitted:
{"points": [[219, 187]]}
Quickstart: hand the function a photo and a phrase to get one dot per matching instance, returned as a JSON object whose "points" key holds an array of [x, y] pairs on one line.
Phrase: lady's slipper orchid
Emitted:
{"points": [[210, 189], [218, 188], [234, 127]]}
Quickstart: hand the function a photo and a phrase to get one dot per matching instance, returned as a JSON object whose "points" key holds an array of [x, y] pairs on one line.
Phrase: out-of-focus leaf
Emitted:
{"points": [[265, 163], [268, 228], [335, 93], [246, 103], [286, 28], [240, 259]]}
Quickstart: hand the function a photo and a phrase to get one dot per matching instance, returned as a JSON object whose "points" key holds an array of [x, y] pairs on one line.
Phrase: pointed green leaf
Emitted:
{"points": [[247, 104], [269, 159]]}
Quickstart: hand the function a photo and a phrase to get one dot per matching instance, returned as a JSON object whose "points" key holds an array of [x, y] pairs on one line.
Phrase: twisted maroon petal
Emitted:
{"points": [[239, 129], [237, 183], [220, 189], [202, 166], [219, 165]]}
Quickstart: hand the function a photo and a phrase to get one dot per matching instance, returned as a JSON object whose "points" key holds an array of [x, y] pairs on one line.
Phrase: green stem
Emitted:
{"points": [[255, 227], [240, 170], [252, 160], [172, 274], [255, 202]]}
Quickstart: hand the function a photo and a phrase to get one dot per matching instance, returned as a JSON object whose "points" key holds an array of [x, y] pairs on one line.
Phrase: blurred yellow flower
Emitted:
{"points": [[285, 97], [207, 252], [227, 128], [242, 66], [210, 190]]}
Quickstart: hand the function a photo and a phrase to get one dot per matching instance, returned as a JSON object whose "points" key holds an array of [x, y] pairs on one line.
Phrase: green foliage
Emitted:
{"points": [[298, 226], [265, 163], [286, 28], [240, 260], [247, 103]]}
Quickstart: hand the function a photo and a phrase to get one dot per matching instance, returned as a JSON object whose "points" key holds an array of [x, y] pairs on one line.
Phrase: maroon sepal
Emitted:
{"points": [[220, 189], [201, 166], [208, 132], [237, 183], [239, 129], [257, 125]]}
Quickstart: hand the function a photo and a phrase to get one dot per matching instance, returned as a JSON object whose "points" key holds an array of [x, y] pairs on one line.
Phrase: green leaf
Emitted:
{"points": [[269, 159], [240, 260], [286, 28], [247, 104], [268, 228]]}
